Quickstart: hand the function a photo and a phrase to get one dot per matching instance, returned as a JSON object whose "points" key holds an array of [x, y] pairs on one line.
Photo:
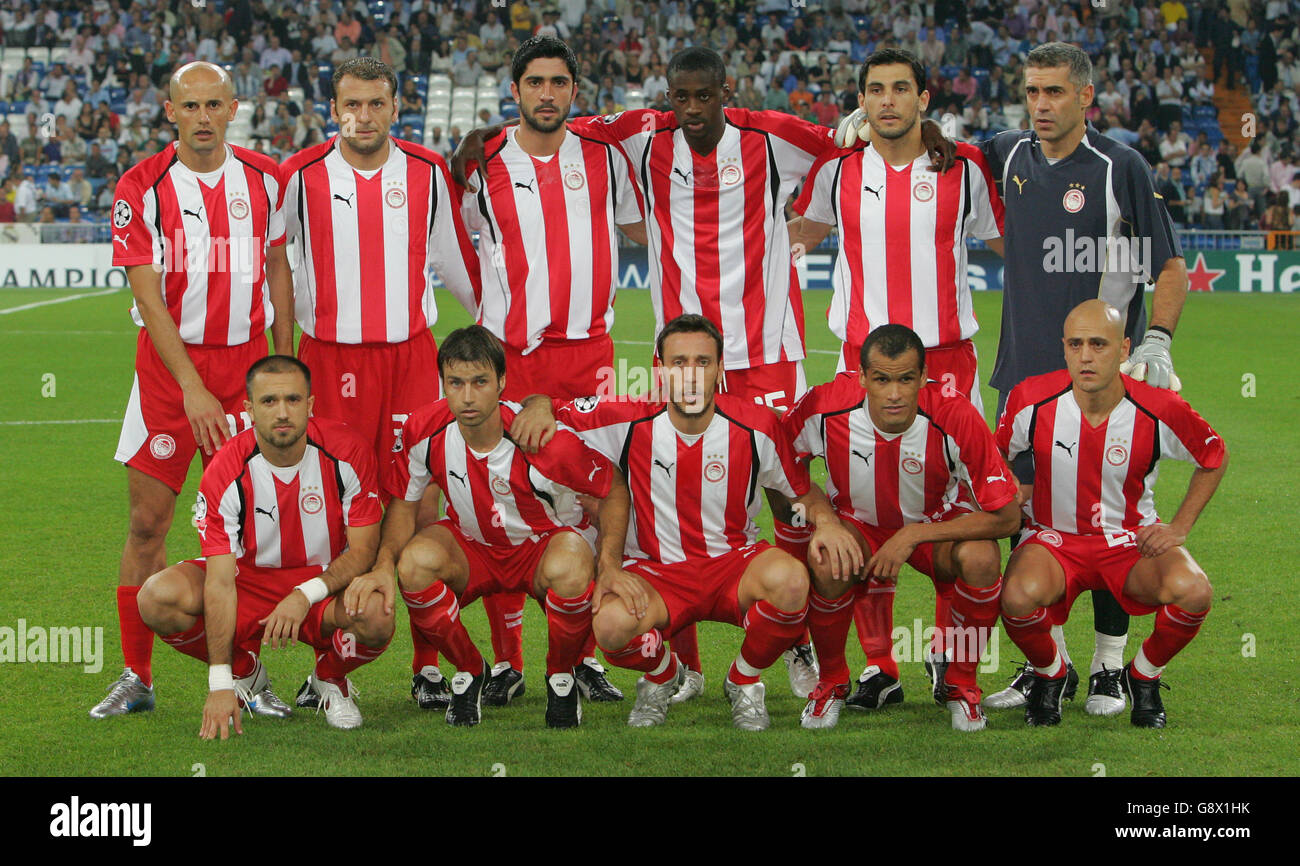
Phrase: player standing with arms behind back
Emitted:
{"points": [[373, 215], [198, 229], [1083, 221]]}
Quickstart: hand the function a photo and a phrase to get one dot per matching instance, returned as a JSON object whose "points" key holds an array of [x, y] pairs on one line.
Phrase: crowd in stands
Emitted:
{"points": [[95, 106]]}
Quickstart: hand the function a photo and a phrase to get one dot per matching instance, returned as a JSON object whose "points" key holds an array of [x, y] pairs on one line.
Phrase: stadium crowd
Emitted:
{"points": [[77, 116]]}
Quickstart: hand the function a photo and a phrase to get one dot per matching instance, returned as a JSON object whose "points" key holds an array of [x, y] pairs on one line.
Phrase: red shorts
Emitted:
{"points": [[259, 590], [1090, 562], [776, 386], [372, 387], [955, 365], [562, 369], [156, 436], [922, 558], [703, 588], [501, 569]]}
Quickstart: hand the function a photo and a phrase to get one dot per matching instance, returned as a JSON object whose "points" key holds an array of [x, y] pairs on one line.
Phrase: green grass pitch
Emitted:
{"points": [[1233, 707]]}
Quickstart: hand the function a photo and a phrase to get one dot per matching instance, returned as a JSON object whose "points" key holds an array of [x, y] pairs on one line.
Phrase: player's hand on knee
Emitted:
{"points": [[207, 419], [358, 593], [886, 563], [1152, 363], [632, 589], [1158, 539], [836, 546], [282, 624], [220, 711], [852, 129]]}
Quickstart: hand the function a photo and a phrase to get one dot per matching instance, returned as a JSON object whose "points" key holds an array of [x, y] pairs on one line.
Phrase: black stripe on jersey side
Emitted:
{"points": [[627, 440], [546, 497], [434, 176], [481, 195], [302, 205], [243, 501], [1033, 418], [826, 415], [835, 200], [646, 188], [428, 454], [774, 178], [752, 486], [965, 182], [1155, 438], [947, 454], [338, 473], [157, 202]]}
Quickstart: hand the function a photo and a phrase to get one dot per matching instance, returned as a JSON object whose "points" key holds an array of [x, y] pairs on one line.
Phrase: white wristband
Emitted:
{"points": [[220, 678], [315, 589]]}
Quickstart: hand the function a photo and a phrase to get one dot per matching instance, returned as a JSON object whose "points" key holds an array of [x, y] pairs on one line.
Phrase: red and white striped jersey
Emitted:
{"points": [[548, 247], [288, 516], [370, 243], [1101, 480], [892, 479], [691, 495], [504, 497], [210, 234], [902, 240], [717, 229]]}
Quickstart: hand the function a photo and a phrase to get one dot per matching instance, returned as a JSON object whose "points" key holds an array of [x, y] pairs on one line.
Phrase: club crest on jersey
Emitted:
{"points": [[162, 446], [1073, 200], [200, 520], [238, 208], [586, 404], [714, 469], [395, 197], [923, 191], [729, 174], [121, 213], [500, 485], [573, 179], [912, 466], [311, 502], [1116, 455], [1050, 536]]}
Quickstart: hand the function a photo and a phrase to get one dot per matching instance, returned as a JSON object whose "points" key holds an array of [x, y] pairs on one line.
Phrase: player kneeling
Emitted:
{"points": [[1096, 437], [696, 464], [513, 524], [899, 456], [288, 513]]}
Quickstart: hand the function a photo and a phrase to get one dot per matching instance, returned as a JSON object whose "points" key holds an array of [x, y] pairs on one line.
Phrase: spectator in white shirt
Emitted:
{"points": [[69, 104], [26, 205], [1174, 145]]}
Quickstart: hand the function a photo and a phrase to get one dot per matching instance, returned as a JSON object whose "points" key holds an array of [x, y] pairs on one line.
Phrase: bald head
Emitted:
{"points": [[1097, 315], [199, 73]]}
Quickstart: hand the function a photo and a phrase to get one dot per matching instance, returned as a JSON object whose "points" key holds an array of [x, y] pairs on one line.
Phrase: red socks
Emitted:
{"points": [[137, 638], [828, 621], [648, 654], [792, 539], [344, 655], [769, 631], [569, 626], [425, 651], [873, 614], [686, 646], [435, 611], [974, 613], [1033, 635], [505, 611], [1174, 630]]}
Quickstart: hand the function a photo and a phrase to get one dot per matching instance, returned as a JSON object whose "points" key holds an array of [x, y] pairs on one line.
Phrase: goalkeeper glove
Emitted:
{"points": [[1152, 363], [852, 128]]}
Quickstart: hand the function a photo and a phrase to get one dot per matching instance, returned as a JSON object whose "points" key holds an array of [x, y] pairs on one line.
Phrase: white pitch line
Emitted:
{"points": [[36, 304], [646, 343], [67, 421]]}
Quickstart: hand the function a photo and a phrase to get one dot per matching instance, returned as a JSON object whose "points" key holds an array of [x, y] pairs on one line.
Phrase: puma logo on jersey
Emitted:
{"points": [[875, 192], [1020, 184], [270, 514], [122, 240], [686, 177], [1210, 439], [528, 186], [991, 478], [1068, 449], [196, 214], [595, 467], [866, 458], [347, 201], [666, 467], [460, 478]]}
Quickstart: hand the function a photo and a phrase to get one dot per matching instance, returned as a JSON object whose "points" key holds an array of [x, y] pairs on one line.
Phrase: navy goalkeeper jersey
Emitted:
{"points": [[1090, 225]]}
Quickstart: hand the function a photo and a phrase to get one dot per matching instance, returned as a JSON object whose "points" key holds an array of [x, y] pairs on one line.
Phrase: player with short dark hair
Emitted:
{"points": [[288, 514], [198, 229], [375, 219], [1083, 221], [900, 455], [1095, 437], [694, 461], [513, 524]]}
